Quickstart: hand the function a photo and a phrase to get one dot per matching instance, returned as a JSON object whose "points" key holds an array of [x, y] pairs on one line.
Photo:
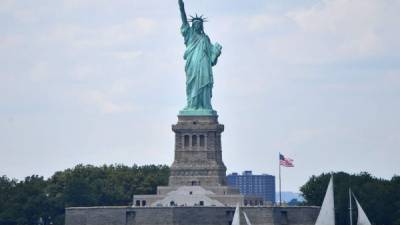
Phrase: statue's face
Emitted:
{"points": [[198, 26]]}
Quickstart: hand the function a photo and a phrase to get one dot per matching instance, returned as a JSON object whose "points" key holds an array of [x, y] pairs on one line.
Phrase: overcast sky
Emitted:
{"points": [[101, 82]]}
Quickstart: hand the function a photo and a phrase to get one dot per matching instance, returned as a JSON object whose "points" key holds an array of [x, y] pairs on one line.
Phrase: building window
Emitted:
{"points": [[172, 203], [202, 141], [186, 140], [194, 140], [201, 203], [137, 203], [144, 203]]}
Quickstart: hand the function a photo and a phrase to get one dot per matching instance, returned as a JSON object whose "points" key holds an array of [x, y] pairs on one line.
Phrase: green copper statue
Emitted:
{"points": [[200, 56]]}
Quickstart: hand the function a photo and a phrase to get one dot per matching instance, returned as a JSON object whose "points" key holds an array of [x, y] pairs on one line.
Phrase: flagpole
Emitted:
{"points": [[280, 190]]}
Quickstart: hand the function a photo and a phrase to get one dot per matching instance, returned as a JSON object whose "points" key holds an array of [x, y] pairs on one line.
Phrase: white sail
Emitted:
{"points": [[327, 213], [246, 218], [362, 217], [236, 216]]}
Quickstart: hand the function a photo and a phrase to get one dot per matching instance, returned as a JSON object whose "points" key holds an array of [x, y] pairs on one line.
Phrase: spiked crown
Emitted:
{"points": [[198, 18]]}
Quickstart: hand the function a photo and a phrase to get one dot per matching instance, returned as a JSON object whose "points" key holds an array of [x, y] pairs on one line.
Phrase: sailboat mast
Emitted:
{"points": [[350, 208]]}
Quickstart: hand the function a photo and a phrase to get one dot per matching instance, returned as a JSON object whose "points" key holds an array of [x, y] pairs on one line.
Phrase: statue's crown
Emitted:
{"points": [[198, 18]]}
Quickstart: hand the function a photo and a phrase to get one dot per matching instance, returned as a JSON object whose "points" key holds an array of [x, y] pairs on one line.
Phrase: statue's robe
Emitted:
{"points": [[200, 56]]}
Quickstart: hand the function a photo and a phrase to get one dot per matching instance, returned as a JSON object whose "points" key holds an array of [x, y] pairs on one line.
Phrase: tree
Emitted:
{"points": [[35, 199], [377, 196], [26, 201], [395, 194], [6, 191]]}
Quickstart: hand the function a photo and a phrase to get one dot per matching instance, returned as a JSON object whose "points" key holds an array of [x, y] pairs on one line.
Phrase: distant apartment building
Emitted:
{"points": [[249, 184]]}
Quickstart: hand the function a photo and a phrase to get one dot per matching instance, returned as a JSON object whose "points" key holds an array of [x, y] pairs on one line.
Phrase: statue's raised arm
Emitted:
{"points": [[183, 13]]}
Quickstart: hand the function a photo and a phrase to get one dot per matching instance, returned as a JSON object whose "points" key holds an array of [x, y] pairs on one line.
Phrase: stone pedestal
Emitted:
{"points": [[198, 175], [198, 152]]}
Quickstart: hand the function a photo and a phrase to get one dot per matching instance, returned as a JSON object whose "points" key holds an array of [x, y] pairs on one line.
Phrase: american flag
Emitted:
{"points": [[285, 161]]}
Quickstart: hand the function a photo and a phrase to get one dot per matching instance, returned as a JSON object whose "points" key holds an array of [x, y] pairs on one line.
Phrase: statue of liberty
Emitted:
{"points": [[200, 56]]}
